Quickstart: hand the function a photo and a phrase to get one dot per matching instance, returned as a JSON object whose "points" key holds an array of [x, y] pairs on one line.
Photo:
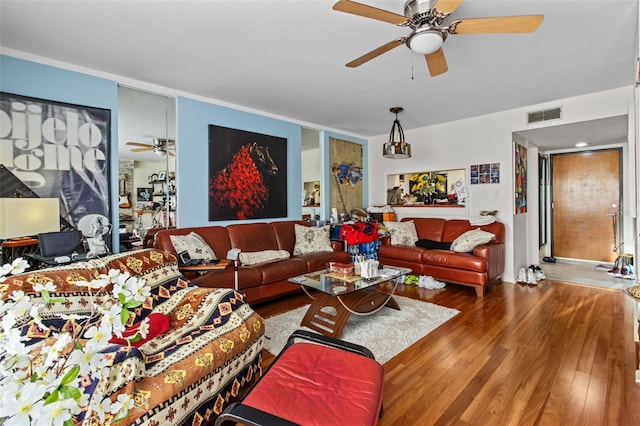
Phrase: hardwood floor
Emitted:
{"points": [[552, 354]]}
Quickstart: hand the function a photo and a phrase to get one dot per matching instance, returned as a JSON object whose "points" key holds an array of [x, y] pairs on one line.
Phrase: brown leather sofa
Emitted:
{"points": [[259, 282], [476, 269]]}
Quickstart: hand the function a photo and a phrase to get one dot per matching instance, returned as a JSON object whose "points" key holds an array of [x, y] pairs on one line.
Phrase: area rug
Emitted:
{"points": [[386, 333]]}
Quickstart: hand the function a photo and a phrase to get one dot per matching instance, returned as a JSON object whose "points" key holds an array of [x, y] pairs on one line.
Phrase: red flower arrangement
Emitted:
{"points": [[239, 189]]}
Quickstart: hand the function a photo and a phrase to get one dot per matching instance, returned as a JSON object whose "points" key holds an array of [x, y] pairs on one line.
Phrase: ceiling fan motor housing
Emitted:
{"points": [[421, 12]]}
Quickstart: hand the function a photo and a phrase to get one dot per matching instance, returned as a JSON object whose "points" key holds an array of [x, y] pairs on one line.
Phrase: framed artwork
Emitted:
{"points": [[58, 150], [247, 175], [144, 194], [485, 173], [520, 178], [345, 191]]}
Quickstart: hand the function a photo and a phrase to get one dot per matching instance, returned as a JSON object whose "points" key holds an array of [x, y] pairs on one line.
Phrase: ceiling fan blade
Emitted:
{"points": [[497, 24], [141, 149], [436, 63], [138, 144], [375, 53], [447, 6], [369, 12]]}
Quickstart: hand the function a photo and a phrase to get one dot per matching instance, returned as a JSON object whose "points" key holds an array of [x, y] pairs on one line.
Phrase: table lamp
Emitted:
{"points": [[23, 217]]}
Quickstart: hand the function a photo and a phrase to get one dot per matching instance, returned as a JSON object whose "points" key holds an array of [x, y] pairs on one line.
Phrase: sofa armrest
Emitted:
{"points": [[337, 245], [385, 240], [494, 254]]}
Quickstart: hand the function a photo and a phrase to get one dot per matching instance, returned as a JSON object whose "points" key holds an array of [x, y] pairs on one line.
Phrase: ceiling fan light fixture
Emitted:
{"points": [[396, 148], [158, 150], [425, 41]]}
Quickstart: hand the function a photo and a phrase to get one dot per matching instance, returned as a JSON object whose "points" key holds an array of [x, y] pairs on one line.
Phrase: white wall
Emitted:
{"points": [[486, 139]]}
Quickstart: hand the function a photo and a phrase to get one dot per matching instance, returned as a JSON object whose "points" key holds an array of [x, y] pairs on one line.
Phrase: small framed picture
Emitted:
{"points": [[162, 175], [144, 194]]}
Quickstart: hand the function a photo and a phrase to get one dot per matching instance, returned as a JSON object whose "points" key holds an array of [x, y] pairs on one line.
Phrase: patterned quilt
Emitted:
{"points": [[186, 376]]}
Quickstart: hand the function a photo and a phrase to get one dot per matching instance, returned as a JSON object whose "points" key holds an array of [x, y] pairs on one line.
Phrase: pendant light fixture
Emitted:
{"points": [[396, 147]]}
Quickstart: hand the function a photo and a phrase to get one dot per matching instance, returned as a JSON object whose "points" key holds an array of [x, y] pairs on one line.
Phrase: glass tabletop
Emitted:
{"points": [[337, 284]]}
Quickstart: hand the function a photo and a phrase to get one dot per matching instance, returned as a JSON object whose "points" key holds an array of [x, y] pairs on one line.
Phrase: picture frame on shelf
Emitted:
{"points": [[162, 176], [144, 194]]}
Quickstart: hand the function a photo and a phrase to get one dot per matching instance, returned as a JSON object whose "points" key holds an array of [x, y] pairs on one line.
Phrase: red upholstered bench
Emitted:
{"points": [[315, 380]]}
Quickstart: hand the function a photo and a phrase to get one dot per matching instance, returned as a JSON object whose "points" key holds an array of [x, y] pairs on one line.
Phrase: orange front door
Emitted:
{"points": [[585, 196]]}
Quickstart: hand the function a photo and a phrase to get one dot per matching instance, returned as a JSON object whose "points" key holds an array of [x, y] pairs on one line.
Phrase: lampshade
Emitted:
{"points": [[425, 42], [396, 148], [22, 217]]}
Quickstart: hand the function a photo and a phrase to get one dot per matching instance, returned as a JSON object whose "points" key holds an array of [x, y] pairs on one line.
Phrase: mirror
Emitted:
{"points": [[440, 187], [146, 147], [310, 160]]}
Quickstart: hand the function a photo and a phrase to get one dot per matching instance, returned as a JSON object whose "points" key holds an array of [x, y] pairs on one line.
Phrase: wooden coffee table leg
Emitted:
{"points": [[326, 315], [329, 314]]}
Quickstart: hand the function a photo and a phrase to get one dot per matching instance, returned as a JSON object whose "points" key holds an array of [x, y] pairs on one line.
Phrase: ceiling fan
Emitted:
{"points": [[428, 31], [160, 146]]}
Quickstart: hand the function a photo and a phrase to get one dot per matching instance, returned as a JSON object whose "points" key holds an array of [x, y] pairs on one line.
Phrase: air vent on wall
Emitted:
{"points": [[544, 115]]}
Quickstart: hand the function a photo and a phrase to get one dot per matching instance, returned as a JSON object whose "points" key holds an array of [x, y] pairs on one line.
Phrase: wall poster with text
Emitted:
{"points": [[57, 150], [247, 175]]}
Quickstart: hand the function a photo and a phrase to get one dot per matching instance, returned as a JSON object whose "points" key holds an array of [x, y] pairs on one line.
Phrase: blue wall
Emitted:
{"points": [[192, 155], [193, 119]]}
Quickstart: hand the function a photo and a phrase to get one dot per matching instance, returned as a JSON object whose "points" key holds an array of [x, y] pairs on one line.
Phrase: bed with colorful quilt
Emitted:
{"points": [[185, 375]]}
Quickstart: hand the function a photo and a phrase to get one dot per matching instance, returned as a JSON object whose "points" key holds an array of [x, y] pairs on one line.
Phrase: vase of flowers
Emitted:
{"points": [[44, 381]]}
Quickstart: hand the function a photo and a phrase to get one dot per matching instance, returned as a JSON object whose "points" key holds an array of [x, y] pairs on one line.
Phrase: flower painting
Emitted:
{"points": [[247, 175]]}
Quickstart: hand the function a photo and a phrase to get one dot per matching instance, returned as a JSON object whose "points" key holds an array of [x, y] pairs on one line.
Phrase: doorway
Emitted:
{"points": [[585, 202]]}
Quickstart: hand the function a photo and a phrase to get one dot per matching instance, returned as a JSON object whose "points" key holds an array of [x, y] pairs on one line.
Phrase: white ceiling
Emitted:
{"points": [[286, 58]]}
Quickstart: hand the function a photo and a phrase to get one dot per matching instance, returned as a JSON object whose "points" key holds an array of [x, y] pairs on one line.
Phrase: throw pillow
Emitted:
{"points": [[158, 323], [194, 244], [467, 241], [311, 239], [251, 258], [402, 233], [432, 244]]}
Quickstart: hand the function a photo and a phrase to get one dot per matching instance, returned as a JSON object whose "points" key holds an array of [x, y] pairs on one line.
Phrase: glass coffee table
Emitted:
{"points": [[338, 297]]}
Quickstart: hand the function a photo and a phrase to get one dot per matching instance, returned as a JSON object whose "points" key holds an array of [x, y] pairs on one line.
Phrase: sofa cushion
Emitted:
{"points": [[467, 241], [251, 258], [453, 261], [193, 244], [432, 245], [310, 239], [402, 233]]}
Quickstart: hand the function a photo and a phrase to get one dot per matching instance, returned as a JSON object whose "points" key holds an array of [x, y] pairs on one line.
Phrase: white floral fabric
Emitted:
{"points": [[402, 233], [311, 239], [251, 258], [470, 239], [193, 244]]}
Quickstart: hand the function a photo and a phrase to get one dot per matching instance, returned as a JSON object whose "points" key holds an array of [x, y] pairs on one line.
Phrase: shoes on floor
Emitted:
{"points": [[537, 272], [615, 272], [427, 281], [531, 277], [522, 275]]}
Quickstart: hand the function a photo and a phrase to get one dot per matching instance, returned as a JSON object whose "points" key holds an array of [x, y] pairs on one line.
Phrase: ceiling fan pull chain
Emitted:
{"points": [[412, 77]]}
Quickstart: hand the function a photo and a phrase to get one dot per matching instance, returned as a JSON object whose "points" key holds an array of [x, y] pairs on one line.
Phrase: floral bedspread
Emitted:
{"points": [[185, 376]]}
